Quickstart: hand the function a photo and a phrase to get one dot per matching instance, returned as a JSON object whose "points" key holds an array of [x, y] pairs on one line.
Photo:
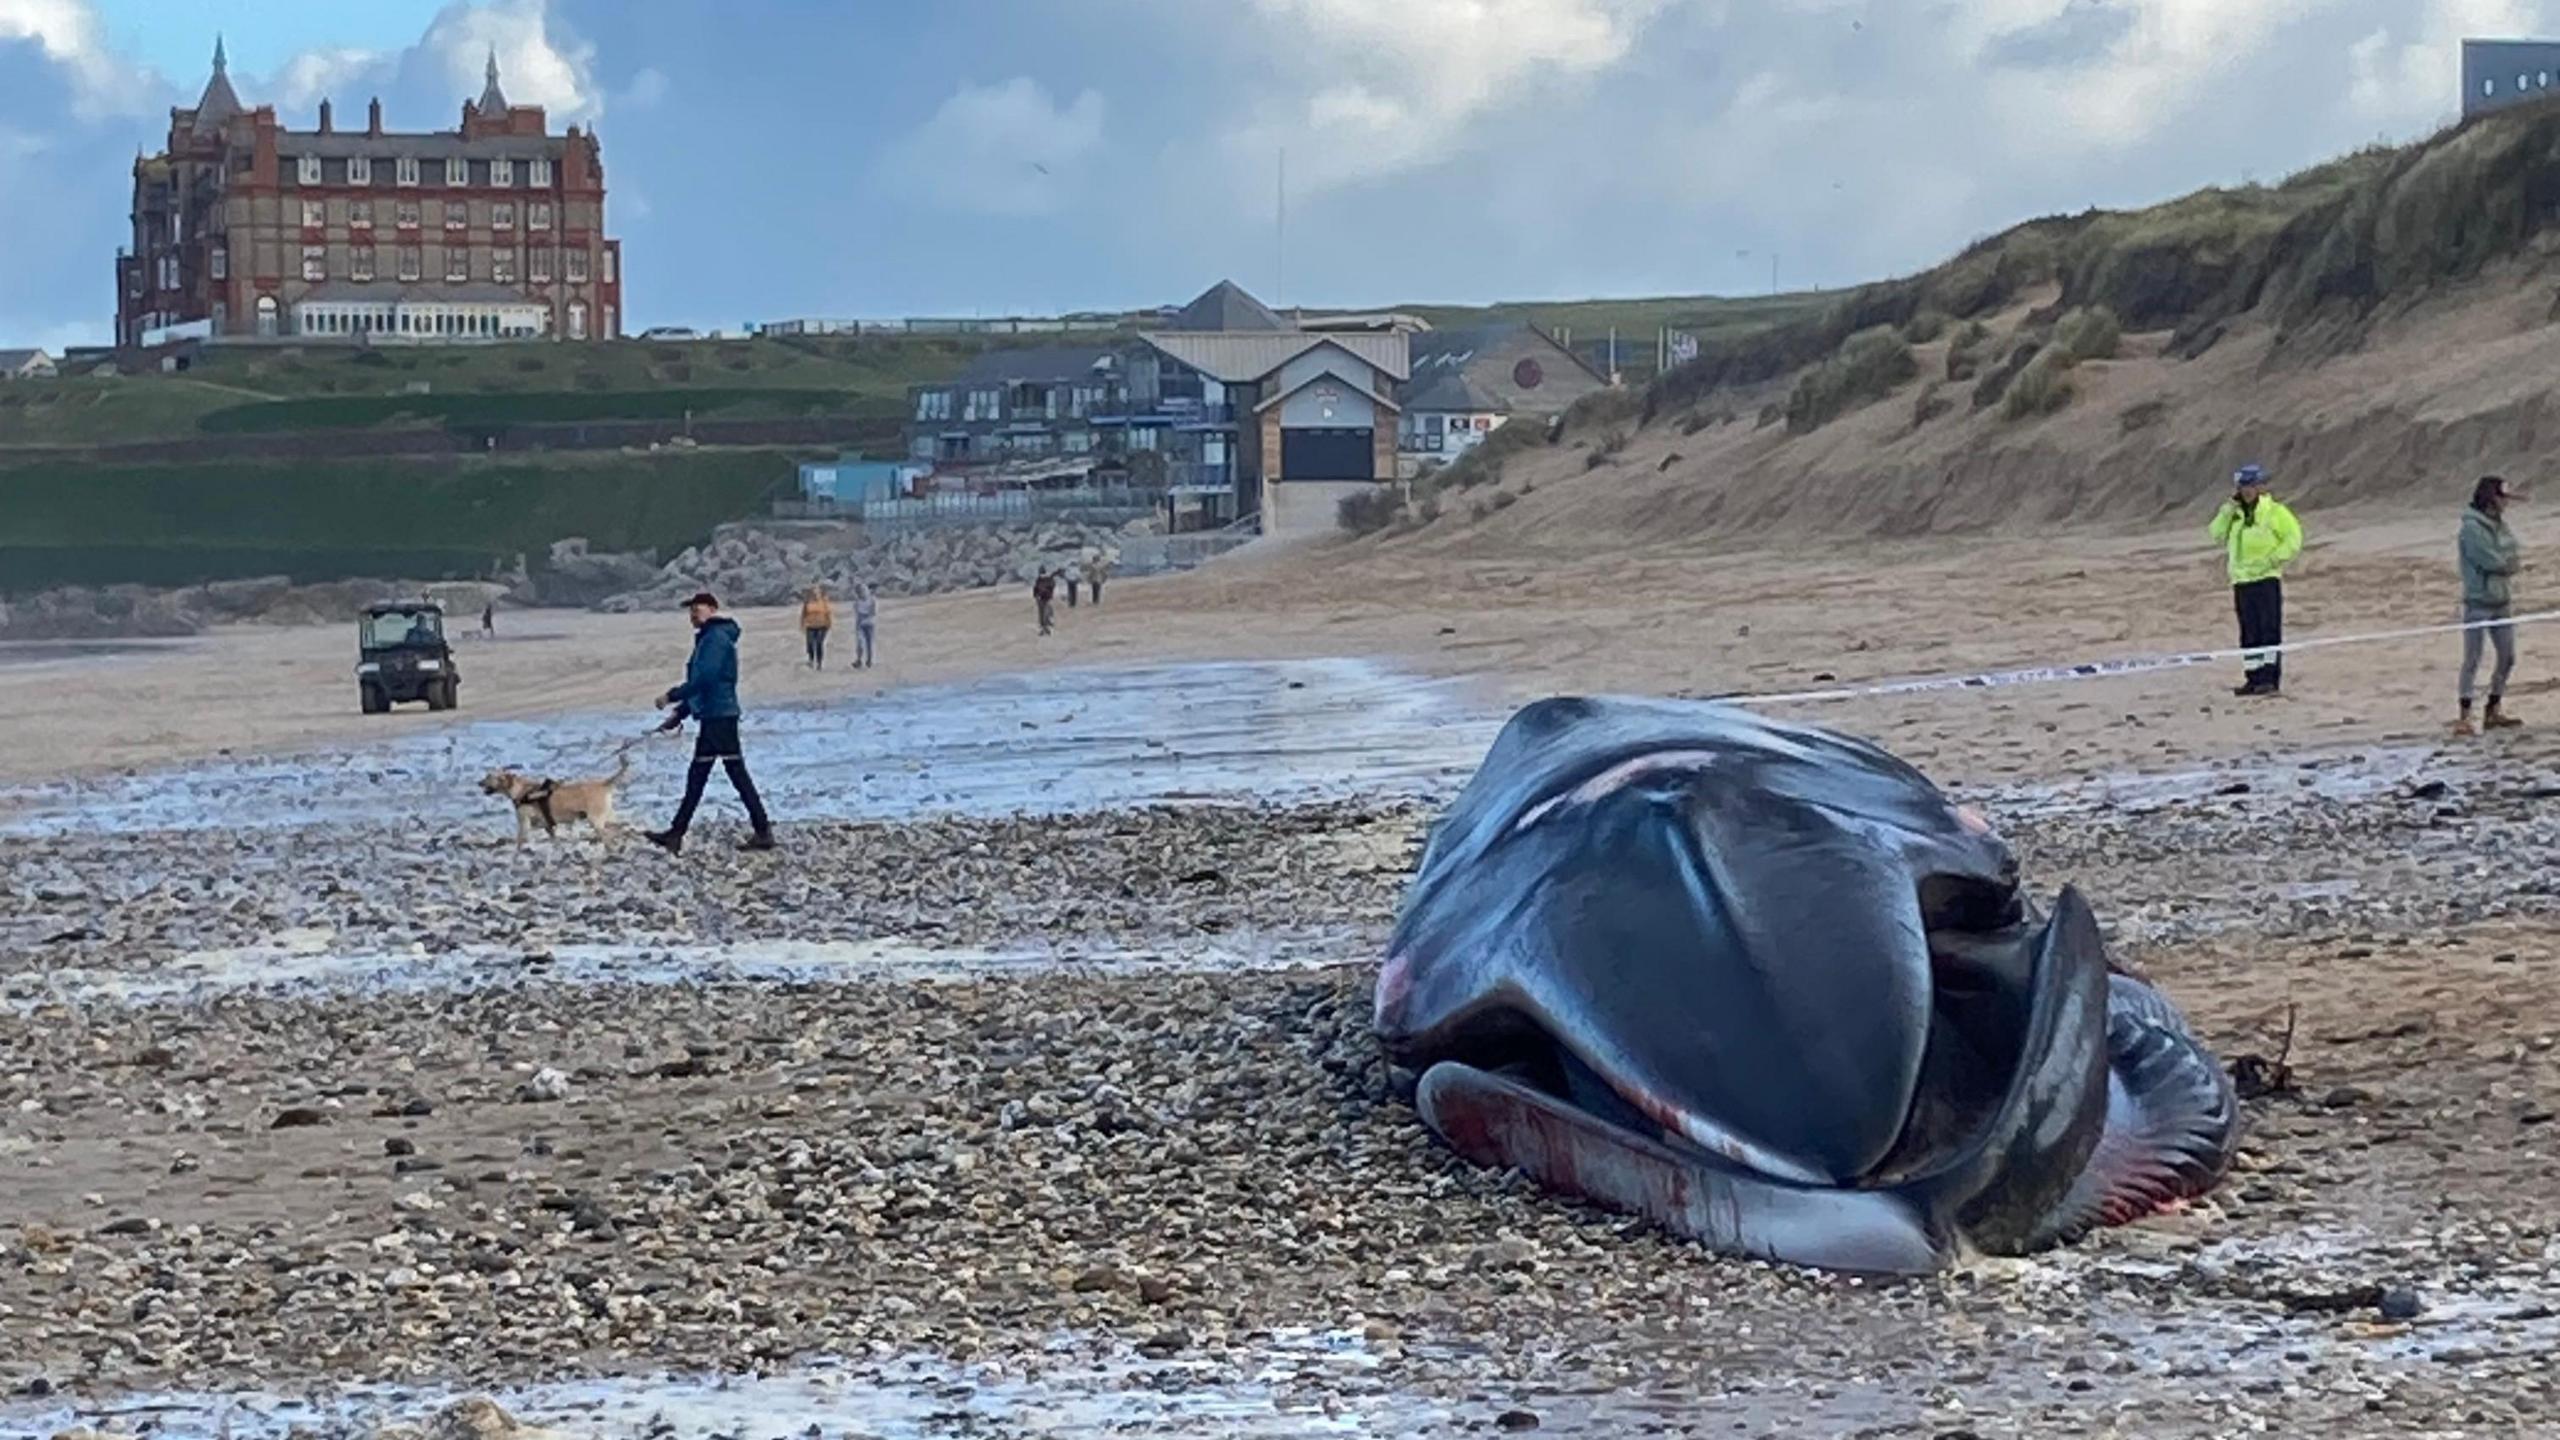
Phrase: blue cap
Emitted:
{"points": [[2249, 475]]}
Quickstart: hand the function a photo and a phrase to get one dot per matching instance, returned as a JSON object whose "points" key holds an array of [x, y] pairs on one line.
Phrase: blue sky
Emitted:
{"points": [[770, 158]]}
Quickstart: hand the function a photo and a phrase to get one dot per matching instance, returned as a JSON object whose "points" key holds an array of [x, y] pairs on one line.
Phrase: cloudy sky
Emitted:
{"points": [[770, 158]]}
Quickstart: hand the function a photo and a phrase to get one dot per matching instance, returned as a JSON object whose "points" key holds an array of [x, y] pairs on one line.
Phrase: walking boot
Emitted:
{"points": [[761, 840], [2463, 729], [666, 840], [2496, 717]]}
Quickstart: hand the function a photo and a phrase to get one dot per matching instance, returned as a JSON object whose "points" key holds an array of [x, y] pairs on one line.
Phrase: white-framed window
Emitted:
{"points": [[306, 169], [360, 214], [457, 214], [407, 215], [221, 262], [266, 315], [537, 216], [577, 263], [177, 227], [933, 404], [314, 214], [541, 176], [315, 262], [404, 170], [457, 171], [541, 265], [608, 265], [457, 263], [409, 267], [502, 215], [360, 263], [502, 267], [606, 330], [577, 319], [359, 169], [502, 172]]}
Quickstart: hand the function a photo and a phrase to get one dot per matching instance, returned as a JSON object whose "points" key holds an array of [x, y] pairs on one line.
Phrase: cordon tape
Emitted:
{"points": [[2104, 669]]}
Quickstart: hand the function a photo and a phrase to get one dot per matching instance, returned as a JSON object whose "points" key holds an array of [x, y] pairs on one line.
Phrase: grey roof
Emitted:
{"points": [[1314, 380], [1236, 359], [1445, 387], [388, 291], [1225, 306], [430, 145], [13, 360], [220, 102], [1056, 364], [1451, 349]]}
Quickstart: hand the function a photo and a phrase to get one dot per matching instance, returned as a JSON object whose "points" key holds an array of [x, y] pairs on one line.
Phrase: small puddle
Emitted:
{"points": [[312, 962], [1044, 743]]}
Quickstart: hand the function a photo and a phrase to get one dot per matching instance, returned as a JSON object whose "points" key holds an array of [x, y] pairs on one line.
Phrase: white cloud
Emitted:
{"points": [[67, 31], [536, 64], [315, 75], [1395, 86], [647, 88], [1007, 149]]}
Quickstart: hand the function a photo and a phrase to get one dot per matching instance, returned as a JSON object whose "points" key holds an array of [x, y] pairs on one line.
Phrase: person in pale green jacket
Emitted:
{"points": [[2490, 559], [2260, 537]]}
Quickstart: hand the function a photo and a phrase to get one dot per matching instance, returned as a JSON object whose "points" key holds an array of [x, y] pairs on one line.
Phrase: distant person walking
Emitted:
{"points": [[2260, 537], [1097, 572], [2490, 559], [817, 617], [489, 619], [1074, 577], [1044, 597], [866, 615], [709, 697]]}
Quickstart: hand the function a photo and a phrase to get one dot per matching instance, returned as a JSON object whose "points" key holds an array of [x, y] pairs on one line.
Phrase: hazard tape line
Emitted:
{"points": [[2105, 669]]}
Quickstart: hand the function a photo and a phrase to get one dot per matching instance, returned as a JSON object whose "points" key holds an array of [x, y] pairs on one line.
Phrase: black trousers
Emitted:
{"points": [[718, 740], [817, 638], [2261, 607]]}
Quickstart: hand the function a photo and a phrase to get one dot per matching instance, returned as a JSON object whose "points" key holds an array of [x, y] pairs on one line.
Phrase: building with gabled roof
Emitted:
{"points": [[1467, 383], [246, 229]]}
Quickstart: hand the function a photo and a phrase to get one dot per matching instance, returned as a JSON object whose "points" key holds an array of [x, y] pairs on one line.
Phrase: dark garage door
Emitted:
{"points": [[1327, 454]]}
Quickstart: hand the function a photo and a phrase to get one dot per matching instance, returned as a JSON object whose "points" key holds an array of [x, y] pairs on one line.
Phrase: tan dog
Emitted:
{"points": [[553, 803]]}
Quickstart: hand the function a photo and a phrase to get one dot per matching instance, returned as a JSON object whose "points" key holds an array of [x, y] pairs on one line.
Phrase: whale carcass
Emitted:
{"points": [[1768, 987]]}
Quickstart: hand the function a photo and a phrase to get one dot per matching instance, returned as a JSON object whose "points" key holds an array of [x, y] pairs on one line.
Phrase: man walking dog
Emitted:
{"points": [[709, 697]]}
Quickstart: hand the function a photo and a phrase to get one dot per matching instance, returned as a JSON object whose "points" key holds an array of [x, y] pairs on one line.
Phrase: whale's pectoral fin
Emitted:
{"points": [[2003, 1186], [1501, 1123], [2172, 1120]]}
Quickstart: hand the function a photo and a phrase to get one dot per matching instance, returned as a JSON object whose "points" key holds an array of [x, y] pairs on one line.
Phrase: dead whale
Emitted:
{"points": [[1766, 986]]}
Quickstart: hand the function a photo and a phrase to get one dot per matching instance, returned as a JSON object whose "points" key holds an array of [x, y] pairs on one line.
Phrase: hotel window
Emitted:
{"points": [[502, 215], [502, 267], [538, 215], [457, 171], [541, 174], [541, 266], [577, 260], [314, 214], [408, 214], [307, 169], [360, 214], [360, 263], [502, 172], [608, 266], [577, 320], [409, 267], [457, 263], [457, 213], [404, 170], [360, 170], [315, 262], [221, 263]]}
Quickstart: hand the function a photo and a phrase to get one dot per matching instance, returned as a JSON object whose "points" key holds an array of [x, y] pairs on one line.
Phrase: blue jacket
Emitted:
{"points": [[710, 688]]}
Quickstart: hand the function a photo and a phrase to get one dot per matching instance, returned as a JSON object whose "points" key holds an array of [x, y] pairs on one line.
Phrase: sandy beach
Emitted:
{"points": [[1030, 1089]]}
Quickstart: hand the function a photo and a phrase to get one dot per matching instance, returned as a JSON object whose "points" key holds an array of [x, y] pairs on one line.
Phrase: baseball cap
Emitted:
{"points": [[702, 597], [2249, 475]]}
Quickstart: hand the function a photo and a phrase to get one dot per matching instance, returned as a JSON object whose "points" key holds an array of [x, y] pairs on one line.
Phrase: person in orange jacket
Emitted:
{"points": [[817, 617]]}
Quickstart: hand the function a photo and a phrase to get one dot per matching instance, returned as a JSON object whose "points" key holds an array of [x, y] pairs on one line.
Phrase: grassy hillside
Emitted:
{"points": [[170, 524], [2373, 326], [1635, 319]]}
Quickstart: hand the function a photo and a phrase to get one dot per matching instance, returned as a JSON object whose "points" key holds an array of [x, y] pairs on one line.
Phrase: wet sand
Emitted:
{"points": [[1029, 1091]]}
